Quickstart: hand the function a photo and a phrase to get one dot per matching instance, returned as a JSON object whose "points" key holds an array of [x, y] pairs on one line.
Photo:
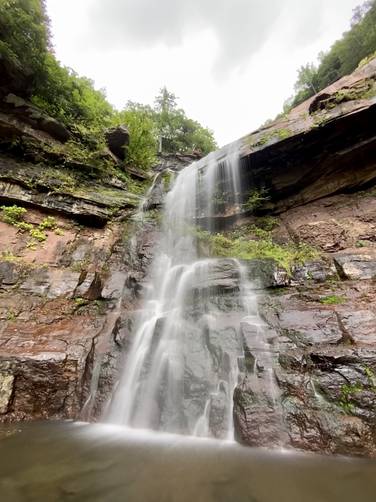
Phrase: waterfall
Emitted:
{"points": [[184, 362]]}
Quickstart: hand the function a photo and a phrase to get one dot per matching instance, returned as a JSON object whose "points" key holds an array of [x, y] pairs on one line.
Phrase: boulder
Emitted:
{"points": [[356, 266], [117, 139], [24, 112]]}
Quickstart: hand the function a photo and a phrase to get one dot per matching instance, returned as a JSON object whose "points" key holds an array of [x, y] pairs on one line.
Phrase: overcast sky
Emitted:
{"points": [[232, 63]]}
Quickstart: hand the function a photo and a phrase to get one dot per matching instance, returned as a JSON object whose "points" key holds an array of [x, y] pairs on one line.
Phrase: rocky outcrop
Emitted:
{"points": [[320, 324], [117, 139], [63, 192], [62, 302], [18, 111], [324, 146]]}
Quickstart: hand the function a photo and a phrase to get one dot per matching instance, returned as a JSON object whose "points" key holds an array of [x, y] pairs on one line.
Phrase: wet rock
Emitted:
{"points": [[9, 273], [361, 324], [45, 368], [221, 274], [257, 417], [6, 390], [156, 196], [117, 139], [311, 326], [356, 266], [266, 274], [114, 285], [317, 271]]}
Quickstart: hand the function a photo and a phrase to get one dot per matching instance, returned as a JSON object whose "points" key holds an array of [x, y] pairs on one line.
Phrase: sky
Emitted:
{"points": [[231, 63]]}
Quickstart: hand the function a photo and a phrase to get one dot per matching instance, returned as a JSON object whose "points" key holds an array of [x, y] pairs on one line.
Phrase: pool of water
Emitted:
{"points": [[68, 461]]}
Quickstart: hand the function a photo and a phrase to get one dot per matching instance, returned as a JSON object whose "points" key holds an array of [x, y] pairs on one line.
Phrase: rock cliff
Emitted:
{"points": [[72, 273]]}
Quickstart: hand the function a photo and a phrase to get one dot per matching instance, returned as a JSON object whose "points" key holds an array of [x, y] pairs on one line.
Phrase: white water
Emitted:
{"points": [[183, 366]]}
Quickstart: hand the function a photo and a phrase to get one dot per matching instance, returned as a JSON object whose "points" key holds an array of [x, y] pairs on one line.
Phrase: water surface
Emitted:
{"points": [[80, 462]]}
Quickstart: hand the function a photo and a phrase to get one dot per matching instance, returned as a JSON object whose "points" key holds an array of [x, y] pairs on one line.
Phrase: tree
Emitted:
{"points": [[142, 148], [343, 57], [307, 78], [177, 133], [360, 11], [24, 42]]}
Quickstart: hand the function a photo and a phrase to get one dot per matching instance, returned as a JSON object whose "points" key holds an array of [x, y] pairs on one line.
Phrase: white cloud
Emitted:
{"points": [[232, 62]]}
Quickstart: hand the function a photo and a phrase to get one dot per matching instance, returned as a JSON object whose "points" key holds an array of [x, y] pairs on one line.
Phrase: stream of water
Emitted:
{"points": [[184, 363]]}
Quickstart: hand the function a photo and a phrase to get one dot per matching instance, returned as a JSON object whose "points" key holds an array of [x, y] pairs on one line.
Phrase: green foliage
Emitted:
{"points": [[332, 300], [267, 223], [164, 127], [8, 256], [142, 148], [226, 246], [11, 316], [49, 223], [38, 234], [72, 99], [24, 38], [177, 132], [353, 49], [13, 214], [24, 227], [59, 91], [255, 199]]}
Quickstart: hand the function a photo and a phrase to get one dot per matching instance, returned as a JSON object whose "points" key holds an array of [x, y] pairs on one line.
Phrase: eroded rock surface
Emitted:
{"points": [[321, 328]]}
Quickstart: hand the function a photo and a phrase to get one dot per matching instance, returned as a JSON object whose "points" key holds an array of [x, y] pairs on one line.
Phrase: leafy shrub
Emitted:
{"points": [[13, 214], [256, 199], [142, 148], [285, 255], [49, 223], [38, 234]]}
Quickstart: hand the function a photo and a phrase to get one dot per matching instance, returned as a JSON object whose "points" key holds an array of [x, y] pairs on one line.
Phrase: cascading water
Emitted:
{"points": [[184, 362]]}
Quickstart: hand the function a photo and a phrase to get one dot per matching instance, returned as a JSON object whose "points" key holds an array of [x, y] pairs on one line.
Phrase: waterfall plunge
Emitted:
{"points": [[184, 362]]}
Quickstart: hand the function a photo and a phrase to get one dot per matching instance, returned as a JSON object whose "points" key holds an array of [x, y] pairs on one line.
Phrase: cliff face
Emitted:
{"points": [[69, 285], [318, 166], [324, 146]]}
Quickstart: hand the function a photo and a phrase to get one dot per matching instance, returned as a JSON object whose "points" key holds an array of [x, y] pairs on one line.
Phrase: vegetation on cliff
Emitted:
{"points": [[29, 69], [343, 57]]}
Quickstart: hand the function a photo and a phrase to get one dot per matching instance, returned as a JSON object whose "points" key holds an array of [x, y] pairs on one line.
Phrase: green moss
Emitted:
{"points": [[348, 392], [134, 186], [277, 134], [371, 377], [360, 244], [332, 300], [80, 302], [8, 256], [11, 316], [284, 133]]}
